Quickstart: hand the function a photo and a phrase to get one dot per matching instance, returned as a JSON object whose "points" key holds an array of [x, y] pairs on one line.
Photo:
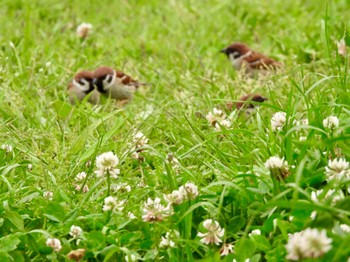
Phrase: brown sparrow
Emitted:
{"points": [[242, 57], [82, 86], [244, 103], [115, 83]]}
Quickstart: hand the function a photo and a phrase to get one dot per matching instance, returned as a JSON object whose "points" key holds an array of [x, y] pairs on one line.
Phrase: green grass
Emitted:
{"points": [[174, 46]]}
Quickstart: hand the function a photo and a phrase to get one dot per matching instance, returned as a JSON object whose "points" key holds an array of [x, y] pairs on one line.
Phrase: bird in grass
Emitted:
{"points": [[247, 102], [115, 84], [253, 63], [82, 86]]}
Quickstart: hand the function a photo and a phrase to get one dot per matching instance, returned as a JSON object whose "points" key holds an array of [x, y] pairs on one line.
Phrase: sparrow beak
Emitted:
{"points": [[94, 81]]}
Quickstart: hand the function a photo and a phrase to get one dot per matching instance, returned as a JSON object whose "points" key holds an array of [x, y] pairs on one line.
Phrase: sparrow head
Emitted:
{"points": [[104, 78], [83, 80], [235, 50], [245, 101]]}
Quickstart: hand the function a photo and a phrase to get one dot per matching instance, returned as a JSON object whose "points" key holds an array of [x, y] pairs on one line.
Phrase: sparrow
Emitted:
{"points": [[245, 102], [115, 84], [82, 86], [242, 57]]}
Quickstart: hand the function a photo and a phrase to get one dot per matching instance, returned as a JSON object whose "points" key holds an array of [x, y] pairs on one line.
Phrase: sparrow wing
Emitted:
{"points": [[127, 80], [259, 61]]}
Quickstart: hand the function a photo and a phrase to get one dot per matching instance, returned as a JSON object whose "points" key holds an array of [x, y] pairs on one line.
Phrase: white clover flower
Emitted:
{"points": [[75, 231], [334, 195], [154, 211], [122, 187], [225, 123], [135, 154], [54, 243], [48, 195], [214, 234], [83, 30], [341, 47], [278, 120], [7, 148], [106, 163], [85, 188], [189, 191], [80, 176], [140, 140], [167, 240], [278, 167], [226, 249], [331, 122], [176, 197], [310, 243], [111, 204], [215, 116], [338, 170], [255, 232], [30, 167]]}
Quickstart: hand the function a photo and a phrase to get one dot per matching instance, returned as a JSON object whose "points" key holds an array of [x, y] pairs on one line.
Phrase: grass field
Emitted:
{"points": [[174, 46]]}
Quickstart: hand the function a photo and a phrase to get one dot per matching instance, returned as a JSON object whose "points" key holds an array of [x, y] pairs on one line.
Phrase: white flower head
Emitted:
{"points": [[85, 188], [83, 30], [225, 123], [122, 187], [106, 163], [176, 197], [332, 194], [54, 243], [80, 176], [7, 148], [214, 232], [215, 115], [111, 204], [48, 195], [278, 120], [331, 122], [135, 154], [338, 170], [75, 231], [310, 243], [30, 167], [278, 167], [139, 139], [189, 191], [226, 249], [341, 47], [154, 211], [167, 240]]}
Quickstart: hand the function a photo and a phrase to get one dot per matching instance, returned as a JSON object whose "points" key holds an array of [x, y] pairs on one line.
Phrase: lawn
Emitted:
{"points": [[272, 185]]}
